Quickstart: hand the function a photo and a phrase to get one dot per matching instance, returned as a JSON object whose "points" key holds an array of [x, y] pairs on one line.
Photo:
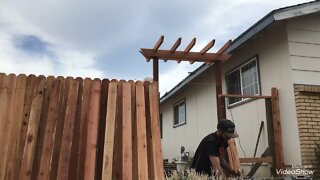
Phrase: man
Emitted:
{"points": [[209, 156]]}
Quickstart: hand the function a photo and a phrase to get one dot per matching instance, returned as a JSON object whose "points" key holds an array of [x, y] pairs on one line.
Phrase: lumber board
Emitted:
{"points": [[42, 127], [141, 133], [32, 131], [102, 126], [7, 106], [93, 119], [64, 91], [117, 157], [155, 132], [277, 129], [31, 82], [15, 129], [110, 132], [234, 154], [126, 132], [49, 136], [67, 136], [134, 131], [84, 127], [256, 160], [72, 174]]}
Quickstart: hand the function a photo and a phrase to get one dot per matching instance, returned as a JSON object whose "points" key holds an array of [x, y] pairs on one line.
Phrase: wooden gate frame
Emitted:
{"points": [[273, 128]]}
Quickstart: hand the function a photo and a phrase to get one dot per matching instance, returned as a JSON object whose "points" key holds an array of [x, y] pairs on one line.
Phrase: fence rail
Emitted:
{"points": [[66, 128]]}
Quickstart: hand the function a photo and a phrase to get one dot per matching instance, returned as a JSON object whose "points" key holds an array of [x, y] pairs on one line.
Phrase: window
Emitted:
{"points": [[243, 80], [180, 113]]}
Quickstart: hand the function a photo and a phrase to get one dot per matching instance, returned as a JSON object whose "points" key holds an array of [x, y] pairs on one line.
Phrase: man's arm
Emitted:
{"points": [[227, 167], [215, 161]]}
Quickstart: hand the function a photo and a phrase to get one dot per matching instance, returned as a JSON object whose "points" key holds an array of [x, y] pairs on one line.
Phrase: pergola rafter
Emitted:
{"points": [[186, 55]]}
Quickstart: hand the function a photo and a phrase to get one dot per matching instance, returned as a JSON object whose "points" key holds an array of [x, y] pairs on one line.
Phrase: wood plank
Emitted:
{"points": [[245, 96], [155, 133], [50, 129], [134, 131], [256, 166], [277, 129], [176, 45], [42, 127], [207, 47], [117, 157], [15, 129], [256, 160], [234, 152], [59, 126], [224, 47], [126, 132], [72, 174], [7, 106], [32, 131], [31, 82], [66, 144], [151, 172], [155, 69], [142, 161], [269, 120], [221, 110], [84, 127], [102, 127], [93, 120], [158, 44], [182, 56], [110, 132]]}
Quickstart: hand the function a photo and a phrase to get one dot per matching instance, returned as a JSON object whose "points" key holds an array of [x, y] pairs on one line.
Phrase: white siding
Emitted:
{"points": [[304, 49], [271, 47], [200, 117]]}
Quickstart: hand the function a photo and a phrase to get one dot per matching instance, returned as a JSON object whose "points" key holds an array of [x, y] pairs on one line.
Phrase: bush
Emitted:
{"points": [[317, 152], [190, 175]]}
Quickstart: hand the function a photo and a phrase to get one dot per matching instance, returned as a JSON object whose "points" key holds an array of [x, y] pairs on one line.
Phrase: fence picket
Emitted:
{"points": [[93, 119], [32, 131], [110, 132]]}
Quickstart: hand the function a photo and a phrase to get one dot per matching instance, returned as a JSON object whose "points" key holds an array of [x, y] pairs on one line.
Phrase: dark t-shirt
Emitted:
{"points": [[211, 145]]}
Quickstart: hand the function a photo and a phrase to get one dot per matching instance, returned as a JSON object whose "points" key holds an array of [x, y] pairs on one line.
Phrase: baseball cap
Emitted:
{"points": [[227, 127]]}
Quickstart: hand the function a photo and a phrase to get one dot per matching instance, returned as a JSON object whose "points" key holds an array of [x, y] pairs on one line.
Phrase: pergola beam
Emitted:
{"points": [[182, 56]]}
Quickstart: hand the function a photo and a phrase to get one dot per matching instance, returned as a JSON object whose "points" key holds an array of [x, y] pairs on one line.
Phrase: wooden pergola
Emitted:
{"points": [[172, 54], [275, 148]]}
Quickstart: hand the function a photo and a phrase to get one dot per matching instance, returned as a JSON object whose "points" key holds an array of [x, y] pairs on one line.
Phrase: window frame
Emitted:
{"points": [[239, 68], [174, 113]]}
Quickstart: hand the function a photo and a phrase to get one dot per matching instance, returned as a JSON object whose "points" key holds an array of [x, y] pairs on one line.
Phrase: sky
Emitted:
{"points": [[102, 38]]}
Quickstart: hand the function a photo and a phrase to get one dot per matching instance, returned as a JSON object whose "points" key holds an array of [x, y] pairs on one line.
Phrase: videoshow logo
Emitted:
{"points": [[294, 172]]}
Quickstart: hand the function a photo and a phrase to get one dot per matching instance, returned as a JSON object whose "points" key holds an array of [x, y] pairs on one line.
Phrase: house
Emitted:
{"points": [[281, 50]]}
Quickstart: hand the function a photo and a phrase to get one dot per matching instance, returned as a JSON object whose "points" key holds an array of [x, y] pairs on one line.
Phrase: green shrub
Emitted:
{"points": [[317, 152]]}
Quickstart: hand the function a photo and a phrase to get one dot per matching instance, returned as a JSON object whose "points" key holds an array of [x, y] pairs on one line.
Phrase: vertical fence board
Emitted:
{"points": [[151, 173], [5, 119], [84, 127], [31, 82], [117, 156], [93, 119], [102, 127], [134, 131], [155, 125], [140, 126], [67, 136], [15, 129], [110, 132], [32, 131], [42, 126], [75, 150], [64, 92], [47, 149], [126, 132]]}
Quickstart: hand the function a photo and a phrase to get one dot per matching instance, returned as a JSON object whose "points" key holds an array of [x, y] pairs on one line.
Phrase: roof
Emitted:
{"points": [[275, 15]]}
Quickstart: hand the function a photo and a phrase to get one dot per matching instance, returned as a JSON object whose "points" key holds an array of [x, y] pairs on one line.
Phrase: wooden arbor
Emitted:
{"points": [[203, 56]]}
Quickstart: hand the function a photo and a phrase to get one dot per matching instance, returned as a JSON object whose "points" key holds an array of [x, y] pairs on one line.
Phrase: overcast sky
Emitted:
{"points": [[102, 38]]}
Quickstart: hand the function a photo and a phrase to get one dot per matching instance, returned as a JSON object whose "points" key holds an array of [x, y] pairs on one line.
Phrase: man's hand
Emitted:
{"points": [[235, 173]]}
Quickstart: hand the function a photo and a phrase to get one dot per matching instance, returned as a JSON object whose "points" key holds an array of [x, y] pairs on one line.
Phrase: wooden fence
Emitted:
{"points": [[57, 128]]}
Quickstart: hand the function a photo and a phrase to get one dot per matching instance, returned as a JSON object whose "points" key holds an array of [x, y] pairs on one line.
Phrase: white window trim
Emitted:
{"points": [[240, 70], [185, 111]]}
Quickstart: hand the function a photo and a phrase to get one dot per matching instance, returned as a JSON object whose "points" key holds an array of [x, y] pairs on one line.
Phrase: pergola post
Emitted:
{"points": [[221, 110], [156, 69]]}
